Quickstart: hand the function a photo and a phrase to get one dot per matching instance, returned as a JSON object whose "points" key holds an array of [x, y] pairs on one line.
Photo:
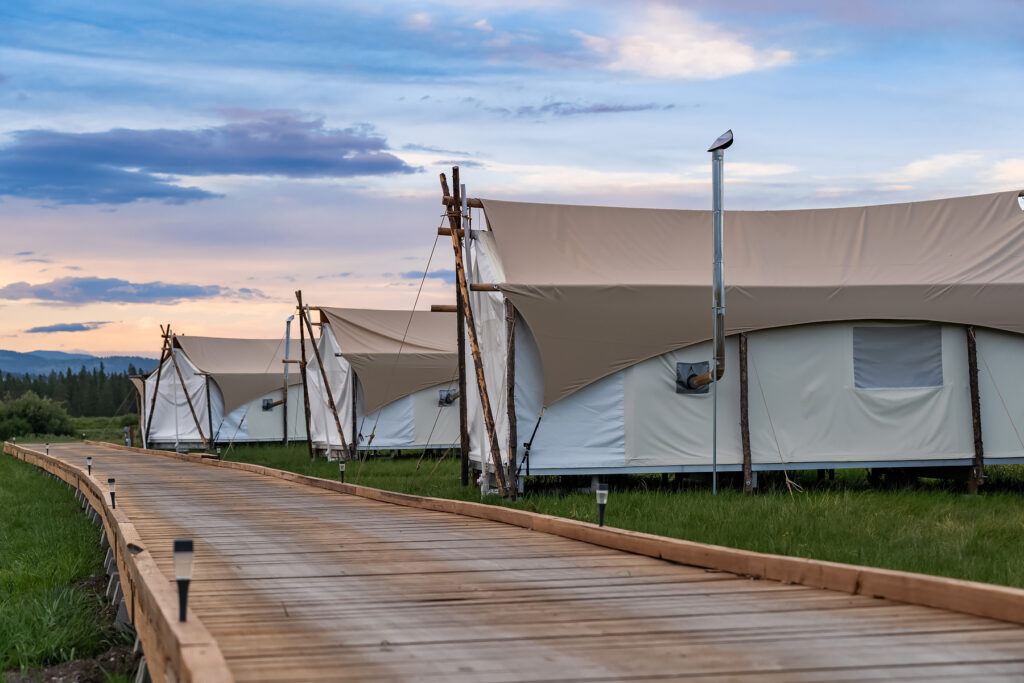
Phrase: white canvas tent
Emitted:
{"points": [[854, 322], [393, 376], [235, 387]]}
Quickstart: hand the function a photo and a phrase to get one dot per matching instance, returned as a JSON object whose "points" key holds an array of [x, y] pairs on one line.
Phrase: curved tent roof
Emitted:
{"points": [[395, 353], [244, 369], [604, 288]]}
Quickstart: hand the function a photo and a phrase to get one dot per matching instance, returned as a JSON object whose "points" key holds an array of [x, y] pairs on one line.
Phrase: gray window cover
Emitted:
{"points": [[897, 357]]}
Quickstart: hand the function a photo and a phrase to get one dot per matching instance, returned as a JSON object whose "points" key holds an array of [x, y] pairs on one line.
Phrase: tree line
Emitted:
{"points": [[83, 394]]}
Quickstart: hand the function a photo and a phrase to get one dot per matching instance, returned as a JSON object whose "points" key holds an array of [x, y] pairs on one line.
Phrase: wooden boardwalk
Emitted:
{"points": [[298, 583]]}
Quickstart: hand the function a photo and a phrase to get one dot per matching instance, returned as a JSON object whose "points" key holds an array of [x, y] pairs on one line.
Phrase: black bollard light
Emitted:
{"points": [[88, 463], [602, 500], [47, 448], [111, 486], [182, 572], [341, 469]]}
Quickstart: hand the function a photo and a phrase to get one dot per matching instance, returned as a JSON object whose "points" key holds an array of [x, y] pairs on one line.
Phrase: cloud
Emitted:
{"points": [[421, 21], [124, 165], [36, 260], [670, 43], [482, 25], [72, 267], [576, 109], [463, 163], [436, 150], [932, 167], [333, 275], [67, 327], [24, 253], [84, 290], [445, 275], [1009, 173]]}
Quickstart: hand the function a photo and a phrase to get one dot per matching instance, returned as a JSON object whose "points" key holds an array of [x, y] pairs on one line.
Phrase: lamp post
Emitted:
{"points": [[717, 150], [111, 486], [88, 463], [602, 500], [341, 469], [182, 573], [47, 448]]}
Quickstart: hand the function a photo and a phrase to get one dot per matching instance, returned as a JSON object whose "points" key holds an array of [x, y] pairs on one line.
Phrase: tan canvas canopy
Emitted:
{"points": [[243, 369], [388, 367], [605, 288]]}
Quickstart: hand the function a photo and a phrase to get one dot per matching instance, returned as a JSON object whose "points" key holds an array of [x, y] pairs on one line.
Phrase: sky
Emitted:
{"points": [[195, 163]]}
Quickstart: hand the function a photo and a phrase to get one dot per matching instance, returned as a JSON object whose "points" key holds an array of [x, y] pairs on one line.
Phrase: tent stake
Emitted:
{"points": [[455, 218]]}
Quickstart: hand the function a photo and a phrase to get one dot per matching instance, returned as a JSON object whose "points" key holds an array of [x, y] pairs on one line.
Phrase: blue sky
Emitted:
{"points": [[196, 162]]}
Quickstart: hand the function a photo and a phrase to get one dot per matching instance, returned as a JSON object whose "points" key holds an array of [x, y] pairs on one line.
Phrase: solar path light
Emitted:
{"points": [[111, 486], [341, 469], [88, 463], [47, 448], [182, 572], [602, 500]]}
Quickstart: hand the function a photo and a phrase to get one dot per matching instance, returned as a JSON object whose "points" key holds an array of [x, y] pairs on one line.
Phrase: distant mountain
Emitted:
{"points": [[43, 362]]}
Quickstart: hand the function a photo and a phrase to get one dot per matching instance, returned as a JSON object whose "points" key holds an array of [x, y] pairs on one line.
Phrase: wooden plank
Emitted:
{"points": [[309, 583]]}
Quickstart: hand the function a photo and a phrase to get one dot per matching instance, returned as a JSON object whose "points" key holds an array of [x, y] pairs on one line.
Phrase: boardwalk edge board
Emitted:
{"points": [[957, 595], [175, 652]]}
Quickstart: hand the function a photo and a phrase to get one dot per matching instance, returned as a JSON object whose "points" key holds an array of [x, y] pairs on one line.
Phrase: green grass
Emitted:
{"points": [[925, 526], [46, 544], [109, 429]]}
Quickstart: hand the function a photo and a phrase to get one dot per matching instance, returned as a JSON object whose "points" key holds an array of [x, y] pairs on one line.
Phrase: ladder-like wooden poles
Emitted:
{"points": [[323, 375], [188, 399], [302, 372], [455, 220], [156, 387]]}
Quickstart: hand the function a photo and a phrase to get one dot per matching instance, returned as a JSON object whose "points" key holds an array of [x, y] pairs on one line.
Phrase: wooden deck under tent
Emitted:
{"points": [[295, 582]]}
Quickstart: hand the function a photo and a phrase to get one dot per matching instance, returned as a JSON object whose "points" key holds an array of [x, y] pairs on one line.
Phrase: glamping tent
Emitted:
{"points": [[393, 376], [221, 390], [854, 336]]}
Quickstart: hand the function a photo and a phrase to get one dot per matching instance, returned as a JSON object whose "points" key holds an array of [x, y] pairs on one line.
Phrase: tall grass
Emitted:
{"points": [[926, 526], [46, 544]]}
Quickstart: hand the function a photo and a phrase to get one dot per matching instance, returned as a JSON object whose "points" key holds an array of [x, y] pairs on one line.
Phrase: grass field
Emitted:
{"points": [[47, 546], [928, 526], [109, 429]]}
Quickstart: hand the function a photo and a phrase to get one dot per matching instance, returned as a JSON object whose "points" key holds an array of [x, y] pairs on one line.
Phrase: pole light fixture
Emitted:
{"points": [[88, 463], [183, 573], [111, 486], [341, 469], [602, 500]]}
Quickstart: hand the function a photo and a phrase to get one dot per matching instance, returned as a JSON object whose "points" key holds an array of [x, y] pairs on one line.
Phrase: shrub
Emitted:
{"points": [[30, 414]]}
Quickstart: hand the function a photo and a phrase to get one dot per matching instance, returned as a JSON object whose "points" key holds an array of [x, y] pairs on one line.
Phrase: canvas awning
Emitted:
{"points": [[243, 369], [389, 361], [604, 288]]}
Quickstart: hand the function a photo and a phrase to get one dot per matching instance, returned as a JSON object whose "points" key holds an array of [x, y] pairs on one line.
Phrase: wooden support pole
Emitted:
{"points": [[447, 232], [188, 399], [484, 287], [354, 447], [455, 218], [209, 411], [978, 467], [302, 372], [748, 474], [327, 385], [444, 308], [156, 387], [460, 323], [510, 392]]}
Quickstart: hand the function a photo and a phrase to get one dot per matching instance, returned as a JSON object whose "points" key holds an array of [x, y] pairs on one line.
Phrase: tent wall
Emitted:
{"points": [[806, 407], [339, 376], [172, 420]]}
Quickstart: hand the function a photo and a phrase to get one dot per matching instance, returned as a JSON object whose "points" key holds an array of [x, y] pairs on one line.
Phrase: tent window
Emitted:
{"points": [[897, 357], [683, 373]]}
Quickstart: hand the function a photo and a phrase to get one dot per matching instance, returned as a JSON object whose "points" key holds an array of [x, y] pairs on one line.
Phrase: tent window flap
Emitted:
{"points": [[897, 357]]}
